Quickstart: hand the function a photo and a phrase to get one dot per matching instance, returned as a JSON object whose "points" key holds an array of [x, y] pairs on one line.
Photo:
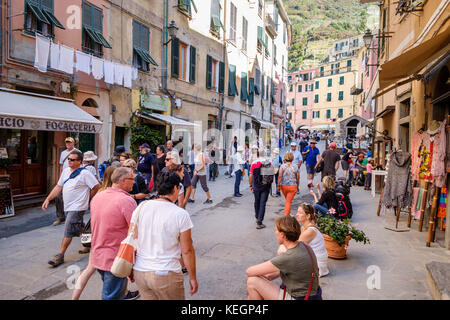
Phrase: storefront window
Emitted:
{"points": [[10, 139], [34, 147]]}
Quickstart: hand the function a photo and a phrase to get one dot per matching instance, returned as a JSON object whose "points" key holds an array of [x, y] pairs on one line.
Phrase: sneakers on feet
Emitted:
{"points": [[58, 221], [132, 295], [260, 226], [238, 195], [208, 201], [191, 200], [57, 260]]}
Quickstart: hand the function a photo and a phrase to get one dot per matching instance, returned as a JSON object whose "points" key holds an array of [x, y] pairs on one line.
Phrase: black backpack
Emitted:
{"points": [[344, 209], [265, 174]]}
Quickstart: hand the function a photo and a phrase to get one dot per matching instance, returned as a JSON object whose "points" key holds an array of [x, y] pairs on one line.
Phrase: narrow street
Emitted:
{"points": [[227, 242]]}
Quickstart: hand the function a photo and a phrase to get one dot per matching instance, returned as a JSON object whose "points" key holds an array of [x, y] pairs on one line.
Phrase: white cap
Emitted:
{"points": [[293, 144]]}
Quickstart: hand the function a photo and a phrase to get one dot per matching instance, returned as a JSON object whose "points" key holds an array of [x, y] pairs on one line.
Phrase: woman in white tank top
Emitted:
{"points": [[312, 236]]}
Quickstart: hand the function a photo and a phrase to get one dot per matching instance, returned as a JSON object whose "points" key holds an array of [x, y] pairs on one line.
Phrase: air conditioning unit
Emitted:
{"points": [[178, 103], [65, 87]]}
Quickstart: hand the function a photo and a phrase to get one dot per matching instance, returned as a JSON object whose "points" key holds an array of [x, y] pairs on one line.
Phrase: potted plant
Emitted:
{"points": [[4, 164], [337, 234]]}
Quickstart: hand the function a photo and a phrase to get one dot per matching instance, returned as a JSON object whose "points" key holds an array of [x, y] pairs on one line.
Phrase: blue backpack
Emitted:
{"points": [[102, 168]]}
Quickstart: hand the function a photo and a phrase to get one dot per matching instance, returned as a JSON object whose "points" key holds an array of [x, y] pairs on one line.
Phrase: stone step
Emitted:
{"points": [[438, 279]]}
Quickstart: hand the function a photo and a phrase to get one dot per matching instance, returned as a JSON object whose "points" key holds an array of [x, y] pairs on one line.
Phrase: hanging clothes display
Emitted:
{"points": [[54, 55], [41, 53], [118, 73], [83, 62], [108, 68], [442, 210], [66, 57], [398, 184], [428, 154], [97, 68], [417, 202]]}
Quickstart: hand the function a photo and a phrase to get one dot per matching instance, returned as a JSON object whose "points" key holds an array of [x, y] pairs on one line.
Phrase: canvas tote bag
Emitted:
{"points": [[125, 258]]}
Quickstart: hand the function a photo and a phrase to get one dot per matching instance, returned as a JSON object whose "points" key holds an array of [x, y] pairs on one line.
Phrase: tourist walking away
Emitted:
{"points": [[111, 212], [140, 189], [159, 162], [164, 233], [327, 199], [277, 161], [297, 267], [302, 145], [145, 162], [369, 168], [288, 181], [233, 150], [63, 164], [106, 183], [238, 170], [213, 168], [330, 160], [260, 183], [89, 158], [78, 186], [311, 235], [172, 164], [311, 153], [200, 174], [191, 163]]}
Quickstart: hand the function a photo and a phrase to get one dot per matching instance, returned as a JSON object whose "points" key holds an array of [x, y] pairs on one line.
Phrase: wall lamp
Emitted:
{"points": [[172, 28]]}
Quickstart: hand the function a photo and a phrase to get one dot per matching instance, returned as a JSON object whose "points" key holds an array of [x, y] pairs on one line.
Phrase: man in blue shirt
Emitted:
{"points": [[145, 162], [311, 153]]}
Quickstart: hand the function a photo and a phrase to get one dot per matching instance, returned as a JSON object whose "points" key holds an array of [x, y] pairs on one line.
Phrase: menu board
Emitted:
{"points": [[6, 199]]}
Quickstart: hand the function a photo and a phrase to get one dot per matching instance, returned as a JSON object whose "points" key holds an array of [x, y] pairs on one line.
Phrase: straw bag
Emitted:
{"points": [[125, 258]]}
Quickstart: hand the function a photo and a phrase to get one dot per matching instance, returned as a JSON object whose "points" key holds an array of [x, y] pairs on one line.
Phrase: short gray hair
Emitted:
{"points": [[120, 174], [175, 157], [131, 163]]}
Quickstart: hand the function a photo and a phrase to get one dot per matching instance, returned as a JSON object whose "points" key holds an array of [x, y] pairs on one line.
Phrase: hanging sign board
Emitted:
{"points": [[6, 199]]}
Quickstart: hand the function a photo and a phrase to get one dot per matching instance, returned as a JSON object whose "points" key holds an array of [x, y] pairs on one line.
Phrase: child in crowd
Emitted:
{"points": [[369, 167]]}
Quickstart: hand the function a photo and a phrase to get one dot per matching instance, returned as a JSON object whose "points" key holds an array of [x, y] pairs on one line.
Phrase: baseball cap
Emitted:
{"points": [[119, 150], [293, 144], [333, 145], [144, 145], [69, 139], [312, 141]]}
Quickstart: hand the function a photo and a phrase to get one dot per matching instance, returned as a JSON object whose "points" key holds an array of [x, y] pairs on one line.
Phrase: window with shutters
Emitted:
{"points": [[260, 44], [328, 114], [244, 33], [330, 82], [317, 84], [92, 35], [141, 47], [305, 101], [185, 6], [266, 42], [341, 95], [257, 81], [290, 88], [292, 102], [215, 23], [244, 92], [183, 61], [340, 113], [251, 91], [329, 96], [341, 80], [299, 88], [304, 114], [233, 22], [212, 73], [40, 18], [316, 98], [232, 88], [275, 55]]}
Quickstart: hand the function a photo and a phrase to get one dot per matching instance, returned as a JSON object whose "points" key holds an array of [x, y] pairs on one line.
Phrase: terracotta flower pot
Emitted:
{"points": [[334, 250]]}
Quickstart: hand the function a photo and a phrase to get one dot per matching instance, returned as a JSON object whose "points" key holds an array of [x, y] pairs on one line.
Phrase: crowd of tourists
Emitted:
{"points": [[115, 193]]}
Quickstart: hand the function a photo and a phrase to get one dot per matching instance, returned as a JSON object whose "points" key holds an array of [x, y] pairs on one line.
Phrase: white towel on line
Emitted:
{"points": [[108, 67], [83, 62], [41, 53], [119, 70], [54, 55], [66, 59], [97, 68], [127, 76]]}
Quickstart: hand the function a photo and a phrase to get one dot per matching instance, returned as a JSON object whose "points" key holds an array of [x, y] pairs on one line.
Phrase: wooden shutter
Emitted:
{"points": [[175, 57], [244, 86], [257, 79], [208, 71], [251, 91], [192, 65], [221, 77]]}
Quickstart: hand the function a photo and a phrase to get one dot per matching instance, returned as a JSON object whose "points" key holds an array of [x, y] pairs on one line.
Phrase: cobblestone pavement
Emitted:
{"points": [[227, 242]]}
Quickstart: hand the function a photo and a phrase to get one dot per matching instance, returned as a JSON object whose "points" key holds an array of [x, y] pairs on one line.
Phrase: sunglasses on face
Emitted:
{"points": [[168, 159], [72, 159]]}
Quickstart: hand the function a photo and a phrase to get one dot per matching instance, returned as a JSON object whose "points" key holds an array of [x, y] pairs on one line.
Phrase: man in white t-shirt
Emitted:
{"points": [[63, 164], [78, 185]]}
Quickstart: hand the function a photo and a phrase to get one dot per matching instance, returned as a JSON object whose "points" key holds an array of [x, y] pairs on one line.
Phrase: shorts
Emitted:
{"points": [[310, 169], [287, 296], [114, 288], [74, 224], [160, 285], [202, 179], [345, 165]]}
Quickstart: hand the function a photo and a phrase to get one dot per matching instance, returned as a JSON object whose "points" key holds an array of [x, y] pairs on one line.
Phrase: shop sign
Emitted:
{"points": [[155, 102], [48, 125]]}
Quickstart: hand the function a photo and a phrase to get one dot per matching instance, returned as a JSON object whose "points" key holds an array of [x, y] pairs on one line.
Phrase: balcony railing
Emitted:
{"points": [[355, 91], [270, 26]]}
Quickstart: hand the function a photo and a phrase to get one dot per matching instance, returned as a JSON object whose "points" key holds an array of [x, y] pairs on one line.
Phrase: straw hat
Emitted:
{"points": [[89, 156]]}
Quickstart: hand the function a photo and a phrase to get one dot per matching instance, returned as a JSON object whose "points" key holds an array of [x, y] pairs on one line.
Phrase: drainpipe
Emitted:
{"points": [[224, 54]]}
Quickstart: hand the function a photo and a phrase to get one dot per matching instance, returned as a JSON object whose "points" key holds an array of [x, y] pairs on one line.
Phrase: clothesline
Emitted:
{"points": [[62, 58]]}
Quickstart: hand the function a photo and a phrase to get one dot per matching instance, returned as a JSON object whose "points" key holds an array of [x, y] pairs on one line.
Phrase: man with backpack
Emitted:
{"points": [[260, 180], [114, 161], [78, 186]]}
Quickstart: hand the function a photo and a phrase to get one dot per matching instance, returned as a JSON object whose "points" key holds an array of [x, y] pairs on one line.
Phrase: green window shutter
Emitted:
{"points": [[48, 11], [328, 114], [290, 88], [293, 102], [175, 58], [299, 89], [349, 63], [341, 80], [37, 12], [221, 77], [257, 81], [263, 87], [329, 96], [304, 114], [232, 89], [192, 65], [244, 94], [317, 84], [341, 95], [208, 71], [340, 113], [305, 101], [316, 98], [251, 91], [330, 82], [259, 39]]}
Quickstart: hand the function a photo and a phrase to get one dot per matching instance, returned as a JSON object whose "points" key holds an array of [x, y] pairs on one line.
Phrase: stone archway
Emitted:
{"points": [[353, 123]]}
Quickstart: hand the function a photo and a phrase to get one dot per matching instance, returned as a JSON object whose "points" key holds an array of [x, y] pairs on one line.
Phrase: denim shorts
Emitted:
{"points": [[114, 288], [310, 169], [74, 224]]}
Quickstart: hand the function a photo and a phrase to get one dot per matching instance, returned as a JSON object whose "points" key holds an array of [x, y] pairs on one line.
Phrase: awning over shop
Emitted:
{"points": [[381, 114], [414, 60], [265, 124], [30, 111], [165, 118], [323, 126]]}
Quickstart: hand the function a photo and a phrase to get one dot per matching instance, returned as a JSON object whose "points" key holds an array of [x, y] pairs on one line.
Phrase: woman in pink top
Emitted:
{"points": [[368, 180]]}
